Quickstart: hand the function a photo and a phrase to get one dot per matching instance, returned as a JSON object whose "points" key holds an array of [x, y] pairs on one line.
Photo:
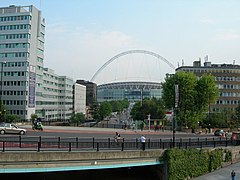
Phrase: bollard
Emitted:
{"points": [[122, 146], [59, 139], [20, 141], [70, 147], [93, 143], [160, 143], [3, 148], [136, 143], [226, 142], [97, 146], [108, 143], [76, 142], [39, 146]]}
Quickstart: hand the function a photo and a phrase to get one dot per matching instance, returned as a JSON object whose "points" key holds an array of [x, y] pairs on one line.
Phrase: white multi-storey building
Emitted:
{"points": [[79, 98], [26, 86]]}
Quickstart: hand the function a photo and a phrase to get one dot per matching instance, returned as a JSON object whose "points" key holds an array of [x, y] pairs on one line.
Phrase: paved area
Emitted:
{"points": [[222, 174]]}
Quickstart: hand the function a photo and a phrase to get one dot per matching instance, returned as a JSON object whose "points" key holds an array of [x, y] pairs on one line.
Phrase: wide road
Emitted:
{"points": [[86, 132]]}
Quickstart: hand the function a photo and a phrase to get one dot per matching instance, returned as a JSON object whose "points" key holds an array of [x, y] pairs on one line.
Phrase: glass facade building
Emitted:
{"points": [[133, 91]]}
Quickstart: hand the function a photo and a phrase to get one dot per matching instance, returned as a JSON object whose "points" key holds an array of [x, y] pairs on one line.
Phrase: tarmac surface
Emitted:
{"points": [[222, 174]]}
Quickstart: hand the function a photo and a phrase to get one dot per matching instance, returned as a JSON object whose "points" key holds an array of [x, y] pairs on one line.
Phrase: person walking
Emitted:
{"points": [[143, 141], [233, 174]]}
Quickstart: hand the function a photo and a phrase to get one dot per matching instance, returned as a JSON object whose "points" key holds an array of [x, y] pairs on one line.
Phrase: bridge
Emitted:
{"points": [[54, 160], [28, 162]]}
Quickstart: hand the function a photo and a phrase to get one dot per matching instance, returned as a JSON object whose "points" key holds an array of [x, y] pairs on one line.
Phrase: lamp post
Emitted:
{"points": [[2, 63], [175, 111]]}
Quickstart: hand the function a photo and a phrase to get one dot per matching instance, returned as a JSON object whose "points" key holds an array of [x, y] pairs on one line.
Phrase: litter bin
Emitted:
{"points": [[236, 138]]}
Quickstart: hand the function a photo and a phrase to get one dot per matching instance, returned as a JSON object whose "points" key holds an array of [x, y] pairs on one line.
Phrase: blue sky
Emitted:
{"points": [[82, 35]]}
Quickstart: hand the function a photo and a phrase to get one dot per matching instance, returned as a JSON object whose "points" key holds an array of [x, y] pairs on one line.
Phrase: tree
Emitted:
{"points": [[149, 106], [105, 109], [195, 94], [95, 111], [77, 118]]}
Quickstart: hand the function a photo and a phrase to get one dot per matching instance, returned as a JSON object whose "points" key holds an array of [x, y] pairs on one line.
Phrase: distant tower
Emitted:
{"points": [[233, 62], [206, 58], [182, 62]]}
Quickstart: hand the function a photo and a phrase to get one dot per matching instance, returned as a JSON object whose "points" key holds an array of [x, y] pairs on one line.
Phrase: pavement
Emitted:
{"points": [[222, 174]]}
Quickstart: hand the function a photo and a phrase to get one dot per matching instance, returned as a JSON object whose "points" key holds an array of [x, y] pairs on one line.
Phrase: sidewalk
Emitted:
{"points": [[222, 174]]}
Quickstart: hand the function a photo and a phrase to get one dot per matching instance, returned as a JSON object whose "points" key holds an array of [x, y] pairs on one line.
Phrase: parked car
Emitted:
{"points": [[219, 132], [11, 129]]}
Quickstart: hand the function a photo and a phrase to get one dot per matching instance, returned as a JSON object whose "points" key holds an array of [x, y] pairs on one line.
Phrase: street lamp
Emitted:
{"points": [[1, 105], [176, 101]]}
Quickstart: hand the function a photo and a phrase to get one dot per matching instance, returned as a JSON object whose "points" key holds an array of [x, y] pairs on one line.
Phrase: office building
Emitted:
{"points": [[91, 91], [227, 77], [79, 98], [27, 87]]}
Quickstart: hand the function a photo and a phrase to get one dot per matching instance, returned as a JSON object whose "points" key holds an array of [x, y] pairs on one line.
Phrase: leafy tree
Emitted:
{"points": [[105, 109], [95, 111], [153, 106], [195, 94], [33, 116], [77, 118], [9, 118]]}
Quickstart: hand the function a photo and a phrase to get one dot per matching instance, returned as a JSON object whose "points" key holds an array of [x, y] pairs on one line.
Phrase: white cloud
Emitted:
{"points": [[227, 35], [79, 53], [208, 21]]}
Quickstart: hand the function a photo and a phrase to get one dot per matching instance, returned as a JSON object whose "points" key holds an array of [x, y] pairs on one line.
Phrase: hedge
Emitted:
{"points": [[185, 163]]}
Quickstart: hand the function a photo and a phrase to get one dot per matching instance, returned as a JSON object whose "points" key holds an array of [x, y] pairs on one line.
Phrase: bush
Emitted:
{"points": [[183, 163]]}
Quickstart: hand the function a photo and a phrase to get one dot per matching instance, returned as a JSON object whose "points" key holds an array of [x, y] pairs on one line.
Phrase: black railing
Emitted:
{"points": [[22, 143]]}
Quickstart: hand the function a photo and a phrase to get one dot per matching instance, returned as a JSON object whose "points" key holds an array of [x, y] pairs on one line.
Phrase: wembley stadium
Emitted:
{"points": [[133, 91], [138, 87]]}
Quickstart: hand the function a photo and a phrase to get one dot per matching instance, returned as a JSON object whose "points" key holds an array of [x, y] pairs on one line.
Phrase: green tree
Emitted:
{"points": [[105, 110], [9, 118], [95, 111], [195, 94], [153, 106], [78, 118], [33, 116]]}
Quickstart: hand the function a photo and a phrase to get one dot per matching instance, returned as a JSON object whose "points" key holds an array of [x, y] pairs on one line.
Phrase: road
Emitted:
{"points": [[86, 132]]}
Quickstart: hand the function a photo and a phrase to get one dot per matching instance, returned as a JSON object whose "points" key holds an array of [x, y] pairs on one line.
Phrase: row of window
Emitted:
{"points": [[14, 102], [15, 45], [15, 93], [15, 36], [16, 18], [229, 94], [228, 102], [14, 55], [229, 86], [15, 83], [212, 70], [14, 27], [16, 64], [227, 78], [16, 73]]}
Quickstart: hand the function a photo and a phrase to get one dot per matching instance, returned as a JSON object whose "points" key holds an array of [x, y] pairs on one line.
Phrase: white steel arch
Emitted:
{"points": [[132, 52]]}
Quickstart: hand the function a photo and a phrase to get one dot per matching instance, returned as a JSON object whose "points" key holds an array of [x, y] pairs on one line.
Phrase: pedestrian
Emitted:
{"points": [[143, 141], [233, 174], [117, 137]]}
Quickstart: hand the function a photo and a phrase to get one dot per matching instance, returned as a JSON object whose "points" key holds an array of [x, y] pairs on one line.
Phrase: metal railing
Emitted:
{"points": [[21, 143]]}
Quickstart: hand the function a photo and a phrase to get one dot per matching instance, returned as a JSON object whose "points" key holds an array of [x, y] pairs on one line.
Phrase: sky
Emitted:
{"points": [[82, 35]]}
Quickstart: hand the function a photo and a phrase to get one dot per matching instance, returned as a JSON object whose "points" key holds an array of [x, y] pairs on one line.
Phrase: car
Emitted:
{"points": [[219, 132], [11, 129]]}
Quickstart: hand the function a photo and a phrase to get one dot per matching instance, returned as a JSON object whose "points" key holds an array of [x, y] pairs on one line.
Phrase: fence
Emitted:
{"points": [[21, 143]]}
